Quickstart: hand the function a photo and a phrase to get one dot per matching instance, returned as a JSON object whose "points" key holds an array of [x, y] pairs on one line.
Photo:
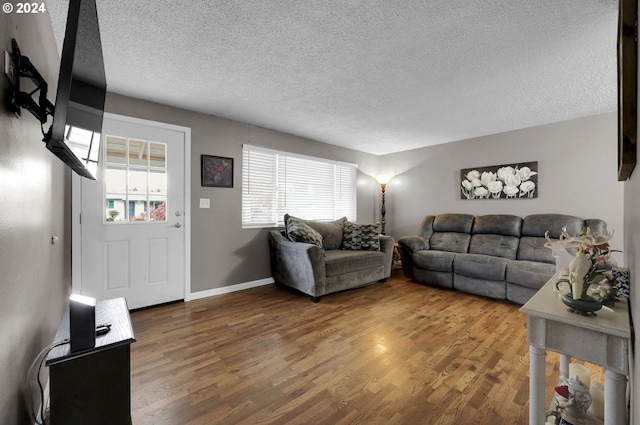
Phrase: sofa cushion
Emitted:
{"points": [[519, 294], [459, 223], [596, 225], [484, 287], [365, 237], [496, 245], [529, 274], [497, 224], [496, 234], [480, 266], [439, 261], [450, 241], [331, 231], [298, 231], [532, 248], [426, 227], [534, 228], [339, 261], [448, 232], [539, 224]]}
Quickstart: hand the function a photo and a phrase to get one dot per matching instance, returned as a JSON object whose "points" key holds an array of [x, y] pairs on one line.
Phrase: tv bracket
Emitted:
{"points": [[23, 68]]}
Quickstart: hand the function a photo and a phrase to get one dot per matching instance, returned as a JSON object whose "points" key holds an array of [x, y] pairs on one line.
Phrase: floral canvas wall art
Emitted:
{"points": [[510, 181], [217, 171]]}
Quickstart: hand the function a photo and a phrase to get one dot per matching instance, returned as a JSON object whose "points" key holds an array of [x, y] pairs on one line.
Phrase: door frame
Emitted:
{"points": [[76, 205]]}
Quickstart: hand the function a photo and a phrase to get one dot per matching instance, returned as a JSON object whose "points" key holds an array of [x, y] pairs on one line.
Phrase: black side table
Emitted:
{"points": [[93, 386]]}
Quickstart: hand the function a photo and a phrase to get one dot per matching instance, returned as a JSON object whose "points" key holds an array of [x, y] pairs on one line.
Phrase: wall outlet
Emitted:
{"points": [[9, 68], [205, 203]]}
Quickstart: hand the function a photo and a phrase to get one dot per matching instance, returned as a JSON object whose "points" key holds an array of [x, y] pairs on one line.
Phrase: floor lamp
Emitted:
{"points": [[383, 179]]}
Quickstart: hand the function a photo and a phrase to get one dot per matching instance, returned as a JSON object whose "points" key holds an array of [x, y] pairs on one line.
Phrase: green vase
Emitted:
{"points": [[584, 306]]}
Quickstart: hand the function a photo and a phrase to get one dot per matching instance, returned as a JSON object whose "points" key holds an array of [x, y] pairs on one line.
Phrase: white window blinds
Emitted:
{"points": [[275, 183]]}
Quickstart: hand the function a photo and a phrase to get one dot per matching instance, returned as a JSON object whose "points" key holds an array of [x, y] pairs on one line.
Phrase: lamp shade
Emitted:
{"points": [[383, 178]]}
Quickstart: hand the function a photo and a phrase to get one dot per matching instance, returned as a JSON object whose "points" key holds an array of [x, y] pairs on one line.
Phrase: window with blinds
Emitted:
{"points": [[275, 183]]}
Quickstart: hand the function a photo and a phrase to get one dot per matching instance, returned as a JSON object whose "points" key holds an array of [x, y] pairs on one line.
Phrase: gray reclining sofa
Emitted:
{"points": [[498, 256]]}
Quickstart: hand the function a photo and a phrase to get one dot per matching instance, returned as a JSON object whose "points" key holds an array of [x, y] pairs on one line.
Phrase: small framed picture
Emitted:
{"points": [[217, 171]]}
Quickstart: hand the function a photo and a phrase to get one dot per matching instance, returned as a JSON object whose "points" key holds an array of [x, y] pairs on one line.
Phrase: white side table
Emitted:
{"points": [[601, 340]]}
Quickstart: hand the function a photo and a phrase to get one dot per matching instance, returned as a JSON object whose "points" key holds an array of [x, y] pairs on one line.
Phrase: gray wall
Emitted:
{"points": [[631, 249], [222, 253], [577, 163], [35, 191]]}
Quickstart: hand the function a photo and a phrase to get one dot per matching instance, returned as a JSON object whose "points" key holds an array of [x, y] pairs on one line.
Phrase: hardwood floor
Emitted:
{"points": [[392, 353]]}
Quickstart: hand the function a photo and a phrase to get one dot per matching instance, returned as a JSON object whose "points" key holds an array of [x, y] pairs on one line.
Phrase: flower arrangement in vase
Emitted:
{"points": [[587, 267]]}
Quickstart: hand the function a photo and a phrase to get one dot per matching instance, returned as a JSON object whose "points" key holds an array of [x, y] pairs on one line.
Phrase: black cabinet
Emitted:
{"points": [[94, 386]]}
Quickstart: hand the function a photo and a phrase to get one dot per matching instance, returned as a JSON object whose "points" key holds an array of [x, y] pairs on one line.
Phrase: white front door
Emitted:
{"points": [[129, 231]]}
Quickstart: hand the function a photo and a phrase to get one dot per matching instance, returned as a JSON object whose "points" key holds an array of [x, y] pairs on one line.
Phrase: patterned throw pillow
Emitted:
{"points": [[361, 237], [331, 231], [621, 279], [298, 231]]}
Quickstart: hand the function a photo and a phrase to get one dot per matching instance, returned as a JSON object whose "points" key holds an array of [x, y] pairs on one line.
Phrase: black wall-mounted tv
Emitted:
{"points": [[74, 136]]}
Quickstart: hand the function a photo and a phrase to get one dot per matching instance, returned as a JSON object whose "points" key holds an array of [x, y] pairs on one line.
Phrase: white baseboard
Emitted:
{"points": [[228, 289]]}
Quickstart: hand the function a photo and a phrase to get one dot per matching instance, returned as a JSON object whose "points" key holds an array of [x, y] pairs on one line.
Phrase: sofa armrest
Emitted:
{"points": [[413, 243], [298, 265], [387, 244], [407, 245]]}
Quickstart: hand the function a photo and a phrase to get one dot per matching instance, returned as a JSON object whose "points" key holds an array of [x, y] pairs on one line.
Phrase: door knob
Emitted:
{"points": [[177, 225]]}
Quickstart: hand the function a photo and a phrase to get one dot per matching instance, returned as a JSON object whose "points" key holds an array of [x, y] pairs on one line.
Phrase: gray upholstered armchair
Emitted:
{"points": [[320, 270]]}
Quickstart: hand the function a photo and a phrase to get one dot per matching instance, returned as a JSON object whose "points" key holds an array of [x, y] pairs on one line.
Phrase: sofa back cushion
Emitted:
{"points": [[450, 241], [539, 224], [451, 232], [497, 224], [331, 231], [497, 235], [596, 225], [459, 223], [426, 227], [534, 228], [533, 249]]}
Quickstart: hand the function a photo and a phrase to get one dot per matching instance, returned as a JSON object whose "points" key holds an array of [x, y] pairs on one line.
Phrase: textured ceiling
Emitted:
{"points": [[379, 76]]}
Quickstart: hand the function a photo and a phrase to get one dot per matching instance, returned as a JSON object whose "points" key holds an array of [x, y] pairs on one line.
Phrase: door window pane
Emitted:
{"points": [[135, 180], [158, 182], [116, 180], [158, 152], [138, 152], [158, 209], [116, 150]]}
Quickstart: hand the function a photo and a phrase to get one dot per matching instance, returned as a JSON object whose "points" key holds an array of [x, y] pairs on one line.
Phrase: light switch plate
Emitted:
{"points": [[9, 68], [205, 203]]}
